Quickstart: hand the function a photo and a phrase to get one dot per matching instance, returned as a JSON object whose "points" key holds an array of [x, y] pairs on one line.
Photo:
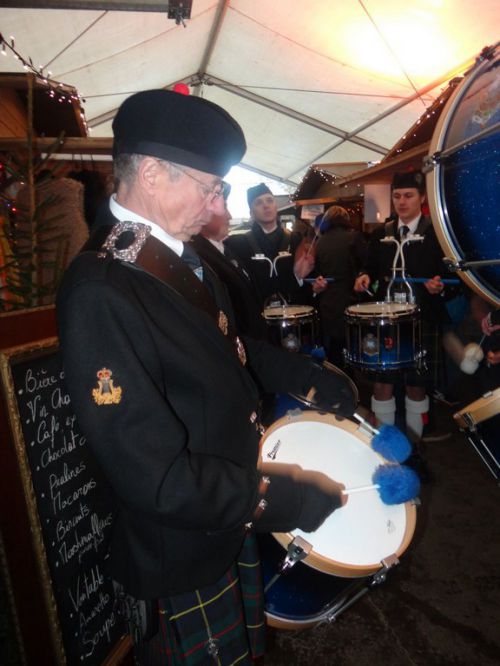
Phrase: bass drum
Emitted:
{"points": [[355, 546], [464, 173]]}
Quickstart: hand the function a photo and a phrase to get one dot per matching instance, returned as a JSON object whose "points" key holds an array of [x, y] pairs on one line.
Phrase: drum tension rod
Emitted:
{"points": [[381, 574], [297, 550]]}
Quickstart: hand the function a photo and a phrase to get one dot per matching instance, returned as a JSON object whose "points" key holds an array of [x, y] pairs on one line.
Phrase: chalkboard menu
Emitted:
{"points": [[70, 507]]}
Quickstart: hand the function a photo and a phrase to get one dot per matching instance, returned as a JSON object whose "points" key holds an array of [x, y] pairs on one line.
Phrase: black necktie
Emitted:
{"points": [[190, 257], [403, 231]]}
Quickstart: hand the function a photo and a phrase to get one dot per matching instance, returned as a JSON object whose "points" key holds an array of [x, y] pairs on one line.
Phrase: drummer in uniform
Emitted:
{"points": [[423, 259], [268, 250], [166, 393], [210, 247]]}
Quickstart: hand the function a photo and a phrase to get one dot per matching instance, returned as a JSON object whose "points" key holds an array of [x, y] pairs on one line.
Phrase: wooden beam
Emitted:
{"points": [[382, 173], [73, 145]]}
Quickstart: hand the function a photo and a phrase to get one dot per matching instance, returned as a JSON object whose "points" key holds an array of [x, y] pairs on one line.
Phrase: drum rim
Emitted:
{"points": [[411, 312], [435, 196], [316, 560], [309, 312], [478, 410], [337, 371]]}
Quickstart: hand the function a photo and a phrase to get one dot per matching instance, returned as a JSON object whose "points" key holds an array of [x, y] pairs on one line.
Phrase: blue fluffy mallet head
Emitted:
{"points": [[396, 483], [391, 444]]}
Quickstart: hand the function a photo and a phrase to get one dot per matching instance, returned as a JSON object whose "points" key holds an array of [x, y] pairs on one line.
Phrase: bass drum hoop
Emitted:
{"points": [[435, 198], [314, 559]]}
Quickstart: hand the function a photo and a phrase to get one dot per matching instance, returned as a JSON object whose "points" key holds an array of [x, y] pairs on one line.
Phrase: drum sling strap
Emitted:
{"points": [[159, 260], [284, 245]]}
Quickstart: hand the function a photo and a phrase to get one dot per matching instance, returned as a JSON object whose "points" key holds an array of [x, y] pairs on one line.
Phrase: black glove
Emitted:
{"points": [[297, 501], [317, 505], [332, 392]]}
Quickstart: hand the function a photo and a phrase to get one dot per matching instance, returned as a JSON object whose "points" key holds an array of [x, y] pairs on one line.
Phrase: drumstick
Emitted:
{"points": [[313, 242], [422, 280], [310, 280]]}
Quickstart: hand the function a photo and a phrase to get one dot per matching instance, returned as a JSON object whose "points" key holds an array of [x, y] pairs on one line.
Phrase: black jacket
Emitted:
{"points": [[179, 445], [340, 253], [245, 246], [240, 286]]}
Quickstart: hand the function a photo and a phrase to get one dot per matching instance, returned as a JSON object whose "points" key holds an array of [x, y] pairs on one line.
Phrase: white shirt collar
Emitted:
{"points": [[412, 225], [218, 244], [125, 215]]}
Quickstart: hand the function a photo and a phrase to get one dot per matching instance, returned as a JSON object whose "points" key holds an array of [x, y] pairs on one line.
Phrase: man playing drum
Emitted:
{"points": [[423, 259], [176, 429]]}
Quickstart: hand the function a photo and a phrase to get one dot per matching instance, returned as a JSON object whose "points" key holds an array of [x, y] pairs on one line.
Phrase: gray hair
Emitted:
{"points": [[126, 166]]}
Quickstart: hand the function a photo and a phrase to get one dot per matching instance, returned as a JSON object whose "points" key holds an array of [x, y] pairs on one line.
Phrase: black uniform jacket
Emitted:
{"points": [[422, 258], [340, 253], [240, 286], [283, 281], [179, 440]]}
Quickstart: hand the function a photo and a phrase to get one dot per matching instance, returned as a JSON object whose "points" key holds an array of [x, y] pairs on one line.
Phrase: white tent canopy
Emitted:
{"points": [[317, 81]]}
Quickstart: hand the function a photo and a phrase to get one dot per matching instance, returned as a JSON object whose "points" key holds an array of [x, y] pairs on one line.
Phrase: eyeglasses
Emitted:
{"points": [[212, 193]]}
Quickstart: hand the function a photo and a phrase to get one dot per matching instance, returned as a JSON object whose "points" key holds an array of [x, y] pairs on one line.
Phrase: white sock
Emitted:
{"points": [[416, 416], [384, 410]]}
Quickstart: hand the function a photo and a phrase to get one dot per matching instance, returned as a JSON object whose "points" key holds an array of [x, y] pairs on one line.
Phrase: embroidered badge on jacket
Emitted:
{"points": [[241, 351], [106, 393], [223, 322]]}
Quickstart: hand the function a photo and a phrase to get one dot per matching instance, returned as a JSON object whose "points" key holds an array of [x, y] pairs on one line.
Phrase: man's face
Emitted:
{"points": [[264, 209], [407, 203], [218, 227], [184, 205]]}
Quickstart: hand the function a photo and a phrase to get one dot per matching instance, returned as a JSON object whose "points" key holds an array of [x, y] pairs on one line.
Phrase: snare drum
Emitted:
{"points": [[356, 544], [481, 422], [383, 336], [294, 327]]}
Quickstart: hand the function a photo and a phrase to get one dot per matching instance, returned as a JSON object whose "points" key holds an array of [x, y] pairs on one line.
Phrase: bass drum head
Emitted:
{"points": [[464, 195], [353, 540]]}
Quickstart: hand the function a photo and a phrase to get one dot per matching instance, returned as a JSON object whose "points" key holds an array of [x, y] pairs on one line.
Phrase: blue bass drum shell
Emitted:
{"points": [[463, 183]]}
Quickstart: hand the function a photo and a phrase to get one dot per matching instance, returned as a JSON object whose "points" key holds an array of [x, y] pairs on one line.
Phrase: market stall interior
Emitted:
{"points": [[332, 115]]}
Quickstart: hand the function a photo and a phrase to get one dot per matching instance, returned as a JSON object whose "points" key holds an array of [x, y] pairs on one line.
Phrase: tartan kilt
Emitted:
{"points": [[220, 624]]}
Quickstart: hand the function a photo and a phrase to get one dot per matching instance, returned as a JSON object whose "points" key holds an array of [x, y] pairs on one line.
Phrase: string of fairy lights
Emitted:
{"points": [[56, 90]]}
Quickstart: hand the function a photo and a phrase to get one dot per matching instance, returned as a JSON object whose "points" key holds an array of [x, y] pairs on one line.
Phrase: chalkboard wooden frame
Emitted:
{"points": [[9, 358], [24, 352]]}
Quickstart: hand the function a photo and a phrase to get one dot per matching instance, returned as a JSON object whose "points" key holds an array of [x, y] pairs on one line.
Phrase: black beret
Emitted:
{"points": [[179, 128], [257, 191], [406, 179]]}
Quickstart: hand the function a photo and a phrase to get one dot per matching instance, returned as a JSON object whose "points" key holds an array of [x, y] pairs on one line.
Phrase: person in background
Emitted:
{"points": [[210, 247], [490, 369], [339, 254], [423, 259], [267, 251], [166, 393]]}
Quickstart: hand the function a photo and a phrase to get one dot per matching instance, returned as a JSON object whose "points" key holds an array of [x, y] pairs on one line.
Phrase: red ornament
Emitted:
{"points": [[181, 88]]}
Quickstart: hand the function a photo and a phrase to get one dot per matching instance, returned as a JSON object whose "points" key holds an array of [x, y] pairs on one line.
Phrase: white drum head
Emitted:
{"points": [[381, 309], [288, 312], [357, 537]]}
